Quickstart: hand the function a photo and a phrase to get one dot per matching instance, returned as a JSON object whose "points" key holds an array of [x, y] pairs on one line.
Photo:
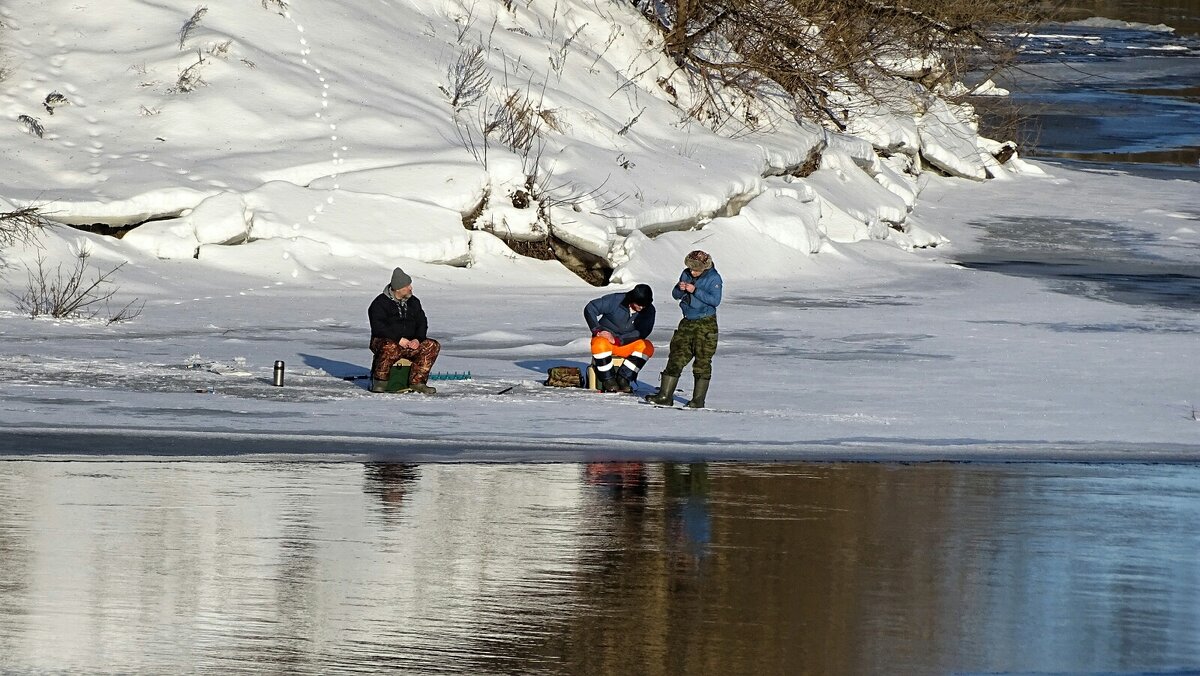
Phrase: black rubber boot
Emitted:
{"points": [[609, 384], [624, 385], [666, 391], [699, 391]]}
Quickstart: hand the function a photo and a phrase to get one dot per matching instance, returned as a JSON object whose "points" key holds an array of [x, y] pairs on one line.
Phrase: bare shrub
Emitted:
{"points": [[73, 293], [32, 125], [824, 53], [21, 226], [190, 25], [467, 79]]}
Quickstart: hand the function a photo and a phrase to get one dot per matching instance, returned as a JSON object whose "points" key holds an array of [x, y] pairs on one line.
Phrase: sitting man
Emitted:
{"points": [[620, 324], [398, 327]]}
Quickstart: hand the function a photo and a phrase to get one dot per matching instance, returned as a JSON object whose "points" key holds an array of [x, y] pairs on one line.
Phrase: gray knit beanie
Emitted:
{"points": [[400, 279]]}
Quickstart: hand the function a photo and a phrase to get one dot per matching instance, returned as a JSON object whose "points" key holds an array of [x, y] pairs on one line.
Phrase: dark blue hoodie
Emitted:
{"points": [[610, 313]]}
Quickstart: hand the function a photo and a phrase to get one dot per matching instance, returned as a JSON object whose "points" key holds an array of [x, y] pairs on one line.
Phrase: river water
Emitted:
{"points": [[613, 568], [1116, 82]]}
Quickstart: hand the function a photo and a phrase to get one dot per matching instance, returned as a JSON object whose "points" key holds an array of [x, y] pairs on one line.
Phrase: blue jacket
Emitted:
{"points": [[704, 302], [608, 313]]}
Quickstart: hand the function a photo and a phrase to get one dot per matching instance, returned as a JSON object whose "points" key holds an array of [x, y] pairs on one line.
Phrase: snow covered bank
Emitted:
{"points": [[356, 130]]}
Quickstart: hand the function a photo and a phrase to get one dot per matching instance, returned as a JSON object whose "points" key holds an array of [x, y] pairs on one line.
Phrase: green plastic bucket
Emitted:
{"points": [[398, 377]]}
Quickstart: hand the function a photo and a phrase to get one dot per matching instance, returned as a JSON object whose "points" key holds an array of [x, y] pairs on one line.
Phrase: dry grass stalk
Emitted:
{"points": [[32, 125], [467, 79], [190, 25]]}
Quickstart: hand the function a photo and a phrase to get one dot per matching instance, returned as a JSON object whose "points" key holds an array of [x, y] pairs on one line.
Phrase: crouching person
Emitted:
{"points": [[398, 331], [620, 325]]}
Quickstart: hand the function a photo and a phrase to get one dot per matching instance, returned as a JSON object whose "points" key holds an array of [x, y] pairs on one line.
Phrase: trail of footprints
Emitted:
{"points": [[67, 94]]}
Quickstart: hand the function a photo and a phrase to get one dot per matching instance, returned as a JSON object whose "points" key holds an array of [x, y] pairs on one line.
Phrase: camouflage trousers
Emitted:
{"points": [[693, 339], [388, 352]]}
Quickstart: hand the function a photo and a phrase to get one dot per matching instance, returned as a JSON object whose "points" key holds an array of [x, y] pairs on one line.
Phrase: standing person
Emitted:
{"points": [[620, 325], [699, 294], [398, 331]]}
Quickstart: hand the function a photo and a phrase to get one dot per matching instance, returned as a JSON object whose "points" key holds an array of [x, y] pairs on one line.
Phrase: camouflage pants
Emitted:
{"points": [[388, 352], [693, 339]]}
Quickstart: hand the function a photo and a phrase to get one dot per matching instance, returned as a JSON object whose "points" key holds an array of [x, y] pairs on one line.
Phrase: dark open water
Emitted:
{"points": [[128, 567], [1118, 82]]}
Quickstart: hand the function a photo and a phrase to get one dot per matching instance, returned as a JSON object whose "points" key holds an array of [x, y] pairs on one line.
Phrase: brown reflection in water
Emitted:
{"points": [[392, 482], [776, 575], [1182, 15], [1186, 156], [1186, 93]]}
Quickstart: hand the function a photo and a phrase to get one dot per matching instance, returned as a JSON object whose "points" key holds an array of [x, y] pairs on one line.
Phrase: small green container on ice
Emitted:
{"points": [[398, 377]]}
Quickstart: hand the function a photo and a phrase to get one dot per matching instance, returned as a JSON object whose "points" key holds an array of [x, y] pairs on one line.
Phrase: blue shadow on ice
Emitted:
{"points": [[338, 369]]}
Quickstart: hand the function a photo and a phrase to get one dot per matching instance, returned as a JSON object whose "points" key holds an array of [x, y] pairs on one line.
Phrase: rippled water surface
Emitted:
{"points": [[598, 569], [1115, 83]]}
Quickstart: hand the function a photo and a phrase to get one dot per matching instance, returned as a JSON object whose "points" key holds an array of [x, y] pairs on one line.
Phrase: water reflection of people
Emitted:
{"points": [[618, 477], [391, 481], [689, 522]]}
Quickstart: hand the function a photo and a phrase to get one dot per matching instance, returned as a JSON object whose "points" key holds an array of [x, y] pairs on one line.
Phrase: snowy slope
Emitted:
{"points": [[329, 128]]}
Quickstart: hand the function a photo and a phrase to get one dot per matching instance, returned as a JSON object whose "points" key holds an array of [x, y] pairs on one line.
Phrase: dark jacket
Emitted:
{"points": [[610, 313], [393, 319]]}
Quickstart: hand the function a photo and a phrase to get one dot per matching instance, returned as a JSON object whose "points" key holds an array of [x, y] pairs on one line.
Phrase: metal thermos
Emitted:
{"points": [[277, 380]]}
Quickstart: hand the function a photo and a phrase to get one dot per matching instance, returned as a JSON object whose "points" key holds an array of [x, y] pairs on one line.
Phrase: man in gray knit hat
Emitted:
{"points": [[398, 331], [699, 293]]}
